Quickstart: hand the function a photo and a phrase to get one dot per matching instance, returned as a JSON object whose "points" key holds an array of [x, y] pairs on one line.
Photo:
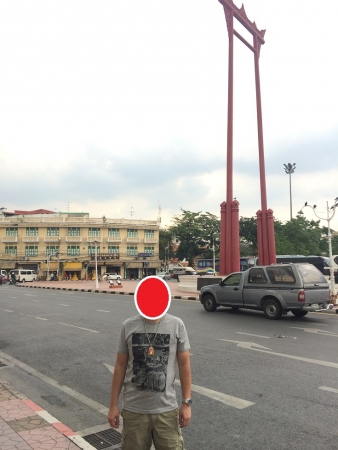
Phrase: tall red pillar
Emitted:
{"points": [[229, 255]]}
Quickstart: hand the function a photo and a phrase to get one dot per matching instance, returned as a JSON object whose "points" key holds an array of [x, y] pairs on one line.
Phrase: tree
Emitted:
{"points": [[248, 233], [197, 233], [165, 241]]}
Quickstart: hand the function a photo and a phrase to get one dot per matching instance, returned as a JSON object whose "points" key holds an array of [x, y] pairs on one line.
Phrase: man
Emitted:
{"points": [[147, 353]]}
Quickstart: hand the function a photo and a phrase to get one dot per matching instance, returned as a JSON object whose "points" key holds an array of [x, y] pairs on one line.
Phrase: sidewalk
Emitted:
{"points": [[26, 426], [127, 287]]}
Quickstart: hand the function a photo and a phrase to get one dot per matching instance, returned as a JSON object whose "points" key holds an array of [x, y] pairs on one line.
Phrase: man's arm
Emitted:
{"points": [[183, 360], [117, 382]]}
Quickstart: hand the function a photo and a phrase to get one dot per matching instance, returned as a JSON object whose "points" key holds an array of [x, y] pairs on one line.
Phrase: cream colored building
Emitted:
{"points": [[67, 243]]}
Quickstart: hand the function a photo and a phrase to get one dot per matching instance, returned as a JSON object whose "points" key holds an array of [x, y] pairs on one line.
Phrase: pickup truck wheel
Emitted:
{"points": [[209, 303], [299, 313], [272, 309]]}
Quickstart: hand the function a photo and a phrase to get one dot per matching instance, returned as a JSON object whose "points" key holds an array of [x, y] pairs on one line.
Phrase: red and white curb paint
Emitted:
{"points": [[66, 431]]}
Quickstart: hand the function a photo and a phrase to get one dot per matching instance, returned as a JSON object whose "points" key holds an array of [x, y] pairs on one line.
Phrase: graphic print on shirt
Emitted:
{"points": [[150, 371]]}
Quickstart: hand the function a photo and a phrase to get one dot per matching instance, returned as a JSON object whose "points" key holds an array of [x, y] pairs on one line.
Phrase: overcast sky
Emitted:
{"points": [[116, 106]]}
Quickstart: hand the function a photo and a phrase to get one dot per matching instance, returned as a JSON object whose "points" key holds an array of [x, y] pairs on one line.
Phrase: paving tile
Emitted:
{"points": [[14, 409], [10, 440], [28, 423], [47, 438]]}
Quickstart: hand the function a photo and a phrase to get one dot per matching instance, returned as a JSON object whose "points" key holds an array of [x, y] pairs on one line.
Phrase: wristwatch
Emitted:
{"points": [[187, 401]]}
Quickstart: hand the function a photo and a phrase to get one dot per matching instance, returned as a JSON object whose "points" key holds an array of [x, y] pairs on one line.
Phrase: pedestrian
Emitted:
{"points": [[147, 353]]}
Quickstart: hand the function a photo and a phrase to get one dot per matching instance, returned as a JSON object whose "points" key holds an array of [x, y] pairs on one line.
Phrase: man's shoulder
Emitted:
{"points": [[173, 319], [135, 320]]}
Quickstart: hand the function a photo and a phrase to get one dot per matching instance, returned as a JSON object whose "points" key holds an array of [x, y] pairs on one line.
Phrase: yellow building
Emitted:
{"points": [[72, 244]]}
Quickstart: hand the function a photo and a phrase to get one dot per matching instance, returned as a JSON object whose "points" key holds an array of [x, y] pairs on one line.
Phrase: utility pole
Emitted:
{"points": [[290, 169]]}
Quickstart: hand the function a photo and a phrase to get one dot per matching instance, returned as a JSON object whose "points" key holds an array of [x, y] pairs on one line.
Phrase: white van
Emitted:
{"points": [[23, 275]]}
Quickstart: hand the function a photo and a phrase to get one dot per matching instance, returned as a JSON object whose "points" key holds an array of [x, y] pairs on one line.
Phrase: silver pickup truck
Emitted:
{"points": [[274, 289]]}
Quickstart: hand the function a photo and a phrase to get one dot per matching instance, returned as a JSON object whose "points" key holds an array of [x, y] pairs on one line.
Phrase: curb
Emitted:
{"points": [[103, 291], [63, 429]]}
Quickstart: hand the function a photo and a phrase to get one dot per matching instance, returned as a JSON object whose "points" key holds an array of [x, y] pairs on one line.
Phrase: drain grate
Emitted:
{"points": [[107, 439]]}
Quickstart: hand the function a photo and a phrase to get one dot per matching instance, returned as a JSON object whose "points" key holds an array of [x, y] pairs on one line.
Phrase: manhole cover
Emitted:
{"points": [[107, 439]]}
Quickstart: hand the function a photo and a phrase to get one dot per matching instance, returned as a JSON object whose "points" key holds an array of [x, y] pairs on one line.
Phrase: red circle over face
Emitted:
{"points": [[152, 297]]}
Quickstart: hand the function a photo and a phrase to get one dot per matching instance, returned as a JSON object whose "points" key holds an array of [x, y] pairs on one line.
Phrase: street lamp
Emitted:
{"points": [[289, 169], [96, 242], [330, 212]]}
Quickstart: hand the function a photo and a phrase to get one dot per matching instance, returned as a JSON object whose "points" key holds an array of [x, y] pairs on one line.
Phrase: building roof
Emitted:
{"points": [[18, 212]]}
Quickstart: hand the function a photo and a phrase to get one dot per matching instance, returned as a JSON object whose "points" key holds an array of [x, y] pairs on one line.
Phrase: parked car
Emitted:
{"points": [[274, 289], [111, 276], [23, 275]]}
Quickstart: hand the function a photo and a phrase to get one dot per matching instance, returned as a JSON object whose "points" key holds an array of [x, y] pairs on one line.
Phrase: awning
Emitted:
{"points": [[72, 266]]}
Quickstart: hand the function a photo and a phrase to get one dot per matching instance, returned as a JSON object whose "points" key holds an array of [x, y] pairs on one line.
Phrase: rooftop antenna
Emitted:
{"points": [[132, 212], [159, 213]]}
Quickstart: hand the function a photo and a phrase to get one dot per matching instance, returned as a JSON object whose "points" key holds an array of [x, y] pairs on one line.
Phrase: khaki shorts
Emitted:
{"points": [[140, 430]]}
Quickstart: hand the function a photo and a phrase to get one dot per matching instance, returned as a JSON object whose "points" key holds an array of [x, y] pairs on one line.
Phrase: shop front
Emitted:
{"points": [[71, 271]]}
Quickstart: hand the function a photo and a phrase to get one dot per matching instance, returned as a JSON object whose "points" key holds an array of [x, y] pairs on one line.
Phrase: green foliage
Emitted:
{"points": [[248, 233], [165, 241], [195, 231]]}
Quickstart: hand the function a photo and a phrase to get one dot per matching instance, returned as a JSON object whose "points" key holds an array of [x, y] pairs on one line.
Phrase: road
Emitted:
{"points": [[258, 384]]}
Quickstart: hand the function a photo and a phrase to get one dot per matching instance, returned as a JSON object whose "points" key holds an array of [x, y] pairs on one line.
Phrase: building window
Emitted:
{"points": [[149, 233], [132, 233], [53, 231], [73, 250], [150, 250], [31, 250], [113, 232], [113, 249], [32, 231], [51, 250], [11, 231], [10, 249], [92, 250], [94, 232], [74, 231], [131, 250]]}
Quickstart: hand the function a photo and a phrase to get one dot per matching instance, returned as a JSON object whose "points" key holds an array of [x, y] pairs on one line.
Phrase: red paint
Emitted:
{"points": [[152, 297], [229, 254], [32, 405]]}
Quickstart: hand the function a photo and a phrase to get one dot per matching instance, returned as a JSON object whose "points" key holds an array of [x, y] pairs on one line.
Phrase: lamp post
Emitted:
{"points": [[95, 242], [289, 169], [330, 212]]}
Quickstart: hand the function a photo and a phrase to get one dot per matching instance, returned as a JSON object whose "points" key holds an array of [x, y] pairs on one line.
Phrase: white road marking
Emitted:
{"points": [[30, 295], [316, 331], [102, 310], [7, 310], [80, 397], [80, 328], [325, 388], [13, 297], [260, 348], [229, 400], [38, 301], [78, 297], [34, 317], [254, 335], [62, 304]]}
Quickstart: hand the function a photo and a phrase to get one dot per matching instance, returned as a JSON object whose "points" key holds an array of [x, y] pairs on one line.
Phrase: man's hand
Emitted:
{"points": [[114, 417], [184, 415]]}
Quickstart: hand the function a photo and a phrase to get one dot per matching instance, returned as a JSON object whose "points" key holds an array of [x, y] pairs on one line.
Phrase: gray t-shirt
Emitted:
{"points": [[149, 381]]}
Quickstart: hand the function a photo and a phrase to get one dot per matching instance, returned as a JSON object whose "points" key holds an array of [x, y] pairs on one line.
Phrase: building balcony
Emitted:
{"points": [[113, 239], [134, 240], [50, 239], [73, 239], [30, 239], [150, 240], [10, 239], [97, 239]]}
